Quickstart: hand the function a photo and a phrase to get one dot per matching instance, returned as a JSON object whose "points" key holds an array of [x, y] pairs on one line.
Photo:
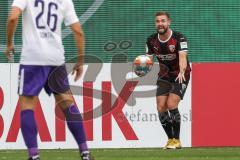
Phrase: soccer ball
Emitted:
{"points": [[142, 65]]}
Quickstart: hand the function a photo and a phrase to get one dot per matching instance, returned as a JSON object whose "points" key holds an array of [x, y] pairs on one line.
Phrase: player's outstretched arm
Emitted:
{"points": [[11, 27], [80, 42], [182, 66]]}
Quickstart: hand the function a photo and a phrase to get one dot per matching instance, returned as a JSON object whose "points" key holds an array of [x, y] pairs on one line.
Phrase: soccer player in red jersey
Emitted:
{"points": [[170, 48]]}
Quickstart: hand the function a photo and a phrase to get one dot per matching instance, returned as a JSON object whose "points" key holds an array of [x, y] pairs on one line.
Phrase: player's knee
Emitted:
{"points": [[172, 104], [162, 108], [27, 102], [64, 100]]}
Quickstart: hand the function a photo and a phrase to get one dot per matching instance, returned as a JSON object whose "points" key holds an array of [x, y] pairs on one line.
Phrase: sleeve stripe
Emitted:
{"points": [[149, 54], [183, 51]]}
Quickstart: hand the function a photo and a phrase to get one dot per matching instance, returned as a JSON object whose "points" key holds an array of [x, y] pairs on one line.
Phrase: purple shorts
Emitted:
{"points": [[33, 78]]}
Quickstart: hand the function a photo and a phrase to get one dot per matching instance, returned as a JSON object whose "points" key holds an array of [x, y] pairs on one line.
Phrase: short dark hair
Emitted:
{"points": [[160, 13]]}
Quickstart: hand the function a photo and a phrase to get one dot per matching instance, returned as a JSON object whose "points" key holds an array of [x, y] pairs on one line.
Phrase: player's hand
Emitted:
{"points": [[180, 78], [9, 52], [78, 69]]}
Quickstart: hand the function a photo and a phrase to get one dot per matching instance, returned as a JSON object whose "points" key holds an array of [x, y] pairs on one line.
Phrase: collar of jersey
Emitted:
{"points": [[166, 39]]}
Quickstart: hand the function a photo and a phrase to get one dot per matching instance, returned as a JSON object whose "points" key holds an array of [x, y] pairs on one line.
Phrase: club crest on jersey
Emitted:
{"points": [[171, 48]]}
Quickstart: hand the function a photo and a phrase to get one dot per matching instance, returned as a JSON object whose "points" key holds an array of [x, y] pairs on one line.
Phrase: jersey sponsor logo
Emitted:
{"points": [[171, 48], [183, 45], [167, 57]]}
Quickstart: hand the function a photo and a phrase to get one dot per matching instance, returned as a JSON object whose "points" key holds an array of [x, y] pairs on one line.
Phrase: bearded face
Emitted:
{"points": [[162, 24]]}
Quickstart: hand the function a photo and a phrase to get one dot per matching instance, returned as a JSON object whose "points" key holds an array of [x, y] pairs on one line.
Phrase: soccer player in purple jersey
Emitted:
{"points": [[42, 65], [170, 48]]}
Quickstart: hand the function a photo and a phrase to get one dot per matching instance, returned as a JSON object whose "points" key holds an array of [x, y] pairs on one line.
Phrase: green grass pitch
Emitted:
{"points": [[226, 153]]}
